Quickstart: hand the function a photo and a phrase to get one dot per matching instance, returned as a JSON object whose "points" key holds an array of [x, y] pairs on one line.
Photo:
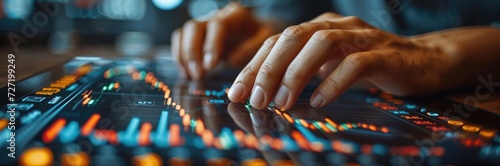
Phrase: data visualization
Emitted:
{"points": [[97, 111]]}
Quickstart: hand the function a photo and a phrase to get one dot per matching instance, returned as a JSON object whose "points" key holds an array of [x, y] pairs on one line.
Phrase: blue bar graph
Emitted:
{"points": [[161, 134], [228, 137], [70, 132], [162, 124], [306, 133], [129, 137], [289, 144]]}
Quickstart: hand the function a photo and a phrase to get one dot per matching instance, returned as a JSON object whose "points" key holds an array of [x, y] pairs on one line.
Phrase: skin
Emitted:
{"points": [[345, 50]]}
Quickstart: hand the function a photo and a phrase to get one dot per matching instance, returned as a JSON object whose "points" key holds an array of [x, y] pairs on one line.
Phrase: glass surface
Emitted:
{"points": [[136, 112]]}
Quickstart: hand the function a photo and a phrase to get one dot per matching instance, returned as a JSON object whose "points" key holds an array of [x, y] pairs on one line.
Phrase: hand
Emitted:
{"points": [[200, 45], [344, 50]]}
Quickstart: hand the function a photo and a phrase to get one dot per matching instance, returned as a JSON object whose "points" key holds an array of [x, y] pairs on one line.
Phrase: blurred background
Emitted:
{"points": [[143, 27], [129, 27]]}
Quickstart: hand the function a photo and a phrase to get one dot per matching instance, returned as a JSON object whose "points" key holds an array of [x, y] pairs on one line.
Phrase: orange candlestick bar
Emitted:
{"points": [[144, 139], [86, 101], [169, 101], [90, 124], [239, 136], [182, 112], [277, 144], [323, 127], [113, 137], [331, 122], [100, 134], [86, 94], [160, 85], [384, 129], [277, 112], [251, 141], [116, 85], [301, 140], [175, 135], [208, 138], [167, 94], [186, 120], [51, 133], [200, 127], [287, 117], [304, 123], [148, 78]]}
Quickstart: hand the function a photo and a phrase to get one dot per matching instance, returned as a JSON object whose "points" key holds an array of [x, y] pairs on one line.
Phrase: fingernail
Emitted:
{"points": [[317, 100], [236, 91], [194, 69], [281, 97], [207, 60], [257, 98]]}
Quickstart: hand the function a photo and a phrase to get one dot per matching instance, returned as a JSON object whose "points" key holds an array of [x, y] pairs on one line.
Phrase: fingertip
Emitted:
{"points": [[281, 98], [317, 100], [258, 98], [236, 92], [208, 61]]}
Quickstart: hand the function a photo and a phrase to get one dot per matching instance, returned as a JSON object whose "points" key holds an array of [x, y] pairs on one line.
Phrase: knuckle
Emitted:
{"points": [[266, 71], [177, 32], [332, 86], [326, 35], [249, 70], [271, 41], [294, 31], [329, 14], [192, 24], [356, 60], [371, 31], [355, 20], [294, 73], [215, 22]]}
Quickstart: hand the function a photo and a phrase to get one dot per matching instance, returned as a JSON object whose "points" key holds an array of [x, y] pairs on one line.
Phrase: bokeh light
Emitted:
{"points": [[202, 9], [17, 9], [123, 10], [167, 4]]}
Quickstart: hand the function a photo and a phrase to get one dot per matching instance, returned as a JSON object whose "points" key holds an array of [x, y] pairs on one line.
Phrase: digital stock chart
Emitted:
{"points": [[98, 111]]}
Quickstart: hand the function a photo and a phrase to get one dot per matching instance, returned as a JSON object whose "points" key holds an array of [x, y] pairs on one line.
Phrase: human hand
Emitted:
{"points": [[344, 50], [233, 31]]}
